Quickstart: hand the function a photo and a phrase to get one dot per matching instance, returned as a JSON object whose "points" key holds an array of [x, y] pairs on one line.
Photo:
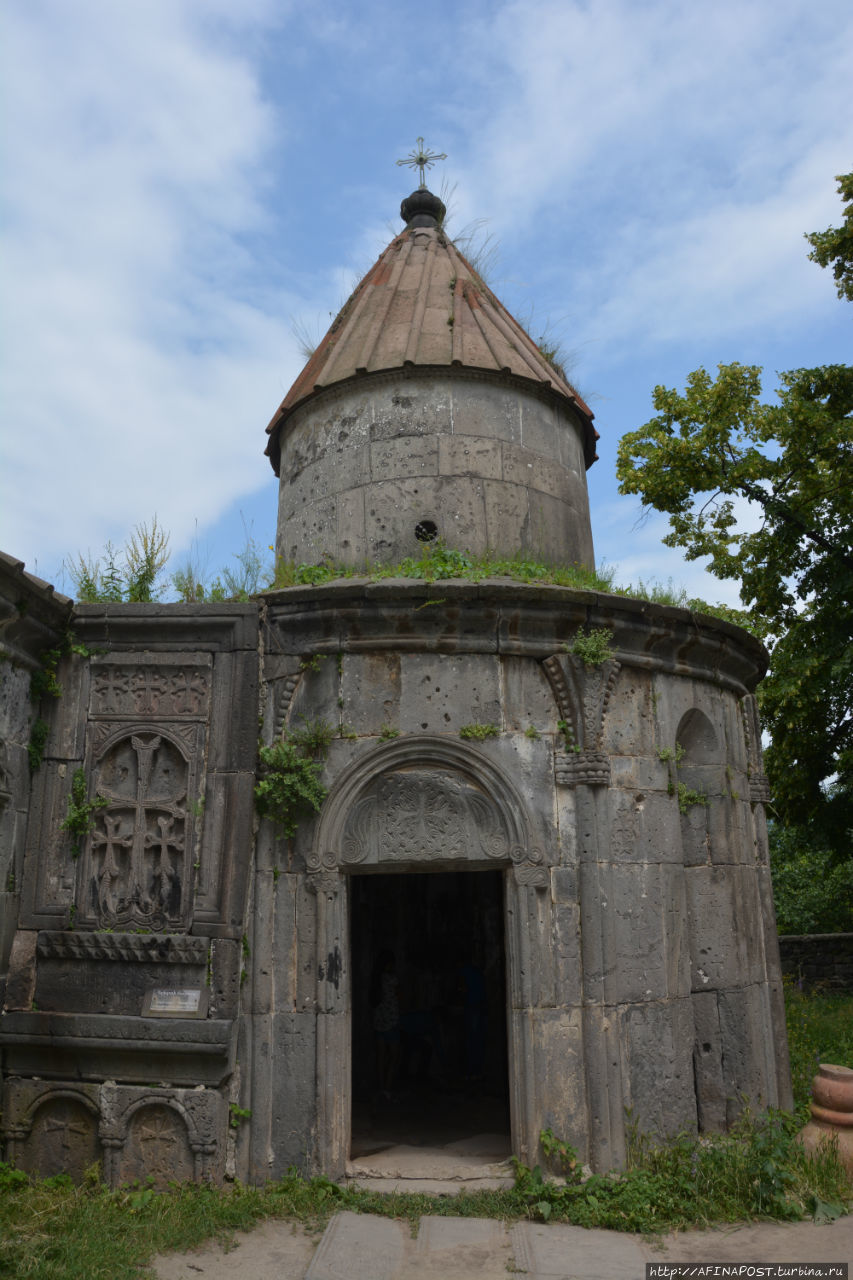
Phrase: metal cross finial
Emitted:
{"points": [[421, 159]]}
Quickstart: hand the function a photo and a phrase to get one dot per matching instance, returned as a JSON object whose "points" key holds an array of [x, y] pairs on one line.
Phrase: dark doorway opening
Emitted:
{"points": [[440, 1078]]}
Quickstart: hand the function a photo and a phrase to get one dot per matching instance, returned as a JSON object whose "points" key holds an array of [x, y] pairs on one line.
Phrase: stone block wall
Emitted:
{"points": [[623, 804], [482, 465], [120, 1021], [33, 620], [184, 958], [818, 960]]}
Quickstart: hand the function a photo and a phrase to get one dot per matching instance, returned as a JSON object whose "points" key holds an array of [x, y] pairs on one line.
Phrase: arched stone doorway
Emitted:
{"points": [[412, 805]]}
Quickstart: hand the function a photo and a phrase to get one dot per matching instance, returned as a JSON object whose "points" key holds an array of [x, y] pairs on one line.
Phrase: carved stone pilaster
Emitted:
{"points": [[759, 789], [582, 769], [582, 694], [283, 697]]}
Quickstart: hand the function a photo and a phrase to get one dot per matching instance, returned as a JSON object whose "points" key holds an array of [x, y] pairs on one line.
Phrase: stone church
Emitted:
{"points": [[187, 991]]}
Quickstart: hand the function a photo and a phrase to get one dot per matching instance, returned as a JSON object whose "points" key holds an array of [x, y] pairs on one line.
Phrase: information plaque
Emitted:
{"points": [[175, 1002]]}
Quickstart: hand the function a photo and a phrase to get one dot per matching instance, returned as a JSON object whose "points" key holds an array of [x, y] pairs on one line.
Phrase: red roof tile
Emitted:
{"points": [[421, 304]]}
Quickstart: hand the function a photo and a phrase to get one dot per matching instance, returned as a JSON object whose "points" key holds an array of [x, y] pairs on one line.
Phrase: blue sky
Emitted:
{"points": [[188, 179]]}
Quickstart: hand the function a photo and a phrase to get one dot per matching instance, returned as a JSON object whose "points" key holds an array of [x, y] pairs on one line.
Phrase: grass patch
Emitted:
{"points": [[820, 1029], [53, 1230], [757, 1170]]}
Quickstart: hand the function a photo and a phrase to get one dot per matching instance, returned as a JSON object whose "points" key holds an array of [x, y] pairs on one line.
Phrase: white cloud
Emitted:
{"points": [[144, 355], [624, 524], [684, 148], [649, 171]]}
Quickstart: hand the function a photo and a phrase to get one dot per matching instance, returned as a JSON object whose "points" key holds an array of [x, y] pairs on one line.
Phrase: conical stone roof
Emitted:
{"points": [[422, 305]]}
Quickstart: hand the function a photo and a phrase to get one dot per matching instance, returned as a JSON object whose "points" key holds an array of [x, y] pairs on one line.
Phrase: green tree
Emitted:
{"points": [[835, 245], [812, 889], [708, 453]]}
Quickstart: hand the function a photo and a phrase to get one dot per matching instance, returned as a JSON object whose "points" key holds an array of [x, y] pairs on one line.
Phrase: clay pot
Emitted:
{"points": [[832, 1112], [833, 1088]]}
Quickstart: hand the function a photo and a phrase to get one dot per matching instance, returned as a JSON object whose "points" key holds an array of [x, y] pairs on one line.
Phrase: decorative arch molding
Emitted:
{"points": [[19, 1126], [51, 1128], [422, 801]]}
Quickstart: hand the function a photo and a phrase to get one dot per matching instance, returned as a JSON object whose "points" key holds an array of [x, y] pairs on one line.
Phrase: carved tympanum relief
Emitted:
{"points": [[418, 816], [415, 816]]}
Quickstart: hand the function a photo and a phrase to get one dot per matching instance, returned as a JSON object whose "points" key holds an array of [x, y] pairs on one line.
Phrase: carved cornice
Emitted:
{"points": [[522, 619], [139, 948]]}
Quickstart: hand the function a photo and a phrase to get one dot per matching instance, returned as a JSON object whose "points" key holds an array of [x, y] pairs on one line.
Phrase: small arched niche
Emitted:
{"points": [[696, 736]]}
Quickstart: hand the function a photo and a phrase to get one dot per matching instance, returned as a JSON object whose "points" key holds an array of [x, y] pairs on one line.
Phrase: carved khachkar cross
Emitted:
{"points": [[422, 159], [138, 843], [63, 1132], [158, 1138]]}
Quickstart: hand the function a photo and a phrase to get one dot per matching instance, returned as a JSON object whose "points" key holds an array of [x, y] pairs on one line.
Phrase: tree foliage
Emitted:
{"points": [[835, 245], [812, 890], [766, 492]]}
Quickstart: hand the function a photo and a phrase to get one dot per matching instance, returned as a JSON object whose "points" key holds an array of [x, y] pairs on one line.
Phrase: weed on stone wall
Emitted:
{"points": [[479, 732], [45, 683], [80, 819], [592, 646], [290, 788]]}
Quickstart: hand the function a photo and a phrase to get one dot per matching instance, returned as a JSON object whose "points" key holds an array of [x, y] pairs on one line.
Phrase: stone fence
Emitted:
{"points": [[819, 958]]}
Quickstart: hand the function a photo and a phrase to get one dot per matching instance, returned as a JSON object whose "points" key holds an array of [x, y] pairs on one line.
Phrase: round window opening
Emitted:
{"points": [[426, 531]]}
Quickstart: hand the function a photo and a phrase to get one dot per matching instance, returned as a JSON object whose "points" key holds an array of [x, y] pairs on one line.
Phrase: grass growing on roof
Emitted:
{"points": [[439, 562]]}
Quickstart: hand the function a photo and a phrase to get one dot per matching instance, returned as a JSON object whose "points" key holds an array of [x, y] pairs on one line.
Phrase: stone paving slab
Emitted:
{"points": [[429, 1186], [459, 1249], [359, 1247], [562, 1252], [362, 1247]]}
